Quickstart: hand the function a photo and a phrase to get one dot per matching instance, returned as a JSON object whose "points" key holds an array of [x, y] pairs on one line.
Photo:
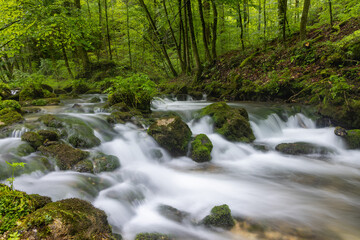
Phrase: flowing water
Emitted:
{"points": [[316, 192]]}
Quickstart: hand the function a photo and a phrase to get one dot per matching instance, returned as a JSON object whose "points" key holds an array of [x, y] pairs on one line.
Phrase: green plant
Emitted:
{"points": [[11, 104], [13, 166], [14, 236]]}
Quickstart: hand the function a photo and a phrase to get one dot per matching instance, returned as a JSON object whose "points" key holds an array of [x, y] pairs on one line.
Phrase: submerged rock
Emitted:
{"points": [[105, 163], [51, 121], [232, 123], [220, 217], [152, 236], [65, 155], [172, 134], [83, 136], [299, 148], [172, 213], [66, 219], [201, 148]]}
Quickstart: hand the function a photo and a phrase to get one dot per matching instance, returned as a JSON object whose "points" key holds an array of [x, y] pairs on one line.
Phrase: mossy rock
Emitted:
{"points": [[302, 148], [341, 132], [172, 134], [10, 104], [95, 100], [51, 121], [65, 155], [24, 149], [83, 137], [66, 219], [33, 138], [201, 148], [39, 102], [220, 217], [172, 213], [152, 236], [30, 92], [84, 166], [119, 117], [9, 116], [119, 107], [5, 91], [30, 109], [48, 135], [80, 87], [353, 138], [232, 123], [105, 163]]}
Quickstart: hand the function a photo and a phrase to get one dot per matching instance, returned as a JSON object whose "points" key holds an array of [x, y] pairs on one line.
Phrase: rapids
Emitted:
{"points": [[318, 192]]}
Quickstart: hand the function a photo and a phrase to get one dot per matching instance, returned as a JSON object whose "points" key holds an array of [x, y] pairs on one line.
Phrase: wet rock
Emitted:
{"points": [[105, 163], [24, 150], [302, 148], [83, 136], [33, 138], [353, 139], [339, 131], [232, 123], [201, 148], [30, 110], [152, 236], [84, 166], [66, 219], [30, 92], [76, 105], [172, 134], [119, 117], [220, 217], [65, 155], [95, 100], [323, 122], [9, 116], [48, 135], [173, 213], [51, 121], [261, 147], [119, 107]]}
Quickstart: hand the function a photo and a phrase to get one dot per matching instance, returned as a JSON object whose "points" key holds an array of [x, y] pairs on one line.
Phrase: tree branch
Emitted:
{"points": [[8, 25]]}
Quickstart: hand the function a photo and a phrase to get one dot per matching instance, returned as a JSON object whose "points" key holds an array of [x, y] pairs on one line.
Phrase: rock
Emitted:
{"points": [[95, 100], [119, 117], [76, 105], [24, 150], [80, 87], [84, 166], [33, 138], [105, 163], [220, 217], [30, 110], [65, 155], [51, 121], [299, 148], [353, 139], [5, 91], [172, 134], [232, 123], [39, 102], [152, 236], [172, 213], [66, 219], [39, 201], [48, 135], [83, 137], [201, 148], [11, 105], [30, 92], [339, 131], [119, 107], [9, 116]]}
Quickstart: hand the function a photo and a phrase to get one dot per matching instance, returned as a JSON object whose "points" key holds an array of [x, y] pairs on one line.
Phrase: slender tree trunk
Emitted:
{"points": [[128, 31], [193, 40], [297, 11], [67, 62], [88, 6], [156, 33], [265, 22], [241, 27], [187, 40], [203, 25], [206, 5], [178, 51], [214, 29], [259, 16], [246, 16], [282, 7], [81, 50], [304, 18], [331, 14], [107, 29]]}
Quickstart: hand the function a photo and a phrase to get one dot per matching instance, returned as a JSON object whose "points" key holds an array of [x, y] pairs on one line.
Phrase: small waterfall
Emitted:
{"points": [[18, 133]]}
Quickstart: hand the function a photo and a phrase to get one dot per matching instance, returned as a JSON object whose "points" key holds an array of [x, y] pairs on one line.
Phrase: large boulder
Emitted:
{"points": [[232, 123], [82, 136], [66, 219], [105, 163], [9, 116], [172, 134], [302, 148], [201, 148], [219, 217], [66, 156]]}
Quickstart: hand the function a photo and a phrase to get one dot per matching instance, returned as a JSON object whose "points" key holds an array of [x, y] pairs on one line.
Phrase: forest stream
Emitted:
{"points": [[317, 193]]}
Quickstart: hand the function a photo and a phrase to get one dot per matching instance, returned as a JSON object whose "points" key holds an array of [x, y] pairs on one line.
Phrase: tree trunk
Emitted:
{"points": [[128, 32], [265, 22], [206, 5], [107, 29], [259, 16], [187, 40], [81, 50], [297, 11], [67, 62], [330, 12], [88, 6], [193, 40], [282, 7], [156, 33], [203, 25], [241, 27], [246, 16], [304, 18], [214, 29]]}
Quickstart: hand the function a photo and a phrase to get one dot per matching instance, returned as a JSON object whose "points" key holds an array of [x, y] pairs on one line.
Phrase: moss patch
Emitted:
{"points": [[201, 148], [152, 236], [353, 139], [34, 139], [220, 217], [300, 148]]}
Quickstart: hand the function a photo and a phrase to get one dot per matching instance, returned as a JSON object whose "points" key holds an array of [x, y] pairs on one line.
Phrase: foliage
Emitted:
{"points": [[10, 104], [13, 166]]}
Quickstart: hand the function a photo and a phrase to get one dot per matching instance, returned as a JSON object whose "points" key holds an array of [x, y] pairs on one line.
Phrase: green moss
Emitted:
{"points": [[119, 117], [9, 116], [5, 91], [299, 148], [51, 121], [24, 150], [80, 87], [39, 102], [34, 139], [95, 100], [48, 135], [65, 155], [172, 134], [353, 139], [10, 104], [84, 166], [232, 123], [152, 236], [220, 217], [83, 137], [105, 163], [201, 148], [30, 92]]}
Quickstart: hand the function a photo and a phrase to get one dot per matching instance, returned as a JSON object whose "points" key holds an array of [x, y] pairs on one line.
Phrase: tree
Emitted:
{"points": [[304, 18]]}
